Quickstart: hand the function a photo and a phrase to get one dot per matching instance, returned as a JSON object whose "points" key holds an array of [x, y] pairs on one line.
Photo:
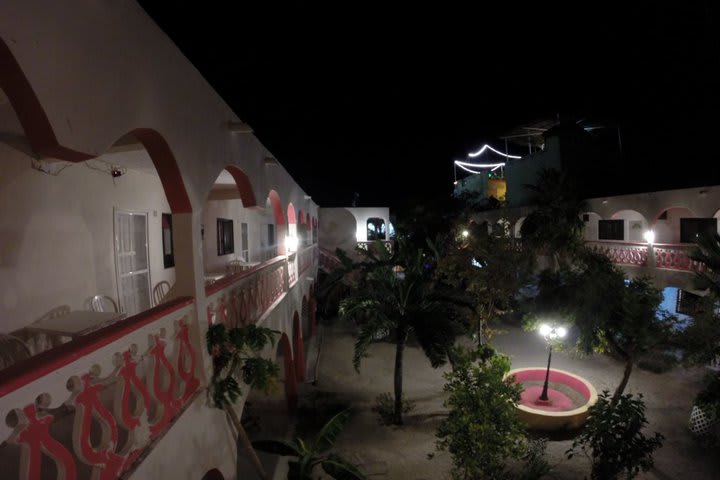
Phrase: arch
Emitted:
{"points": [[291, 214], [667, 223], [276, 207], [213, 474], [298, 348], [243, 185], [287, 372], [634, 224], [307, 218], [41, 135]]}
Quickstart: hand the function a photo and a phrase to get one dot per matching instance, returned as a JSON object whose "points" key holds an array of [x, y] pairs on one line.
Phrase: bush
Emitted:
{"points": [[482, 429], [658, 362], [385, 408], [535, 465], [613, 438]]}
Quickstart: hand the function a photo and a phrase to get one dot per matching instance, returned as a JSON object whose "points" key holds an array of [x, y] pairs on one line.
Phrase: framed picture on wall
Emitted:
{"points": [[167, 241], [225, 240]]}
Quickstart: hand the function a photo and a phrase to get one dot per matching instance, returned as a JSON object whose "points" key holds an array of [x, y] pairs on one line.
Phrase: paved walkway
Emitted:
{"points": [[402, 452]]}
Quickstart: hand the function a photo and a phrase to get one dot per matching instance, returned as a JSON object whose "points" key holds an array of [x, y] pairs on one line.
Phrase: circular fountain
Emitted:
{"points": [[568, 399]]}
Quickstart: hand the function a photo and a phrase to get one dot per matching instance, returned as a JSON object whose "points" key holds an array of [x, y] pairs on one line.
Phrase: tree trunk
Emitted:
{"points": [[626, 376], [245, 441], [399, 350]]}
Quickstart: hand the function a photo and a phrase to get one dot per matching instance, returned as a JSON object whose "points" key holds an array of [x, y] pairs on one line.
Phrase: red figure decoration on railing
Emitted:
{"points": [[168, 406], [185, 352], [86, 399], [33, 436]]}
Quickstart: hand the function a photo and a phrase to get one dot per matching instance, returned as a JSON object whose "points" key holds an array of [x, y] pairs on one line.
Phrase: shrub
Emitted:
{"points": [[613, 438], [385, 408], [482, 429], [658, 362]]}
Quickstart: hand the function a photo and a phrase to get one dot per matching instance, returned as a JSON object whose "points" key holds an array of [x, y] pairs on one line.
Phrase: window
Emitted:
{"points": [[167, 241], [688, 303], [226, 242], [586, 217], [690, 228], [271, 241], [375, 229], [611, 229], [244, 248]]}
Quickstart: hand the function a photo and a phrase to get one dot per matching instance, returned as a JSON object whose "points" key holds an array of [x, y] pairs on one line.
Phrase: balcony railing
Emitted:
{"points": [[243, 297], [666, 256], [93, 406], [621, 253]]}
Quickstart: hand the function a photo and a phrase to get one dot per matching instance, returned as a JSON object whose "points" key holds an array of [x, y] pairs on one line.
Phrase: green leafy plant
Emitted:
{"points": [[385, 408], [235, 356], [482, 429], [613, 438], [535, 464], [309, 455], [382, 301]]}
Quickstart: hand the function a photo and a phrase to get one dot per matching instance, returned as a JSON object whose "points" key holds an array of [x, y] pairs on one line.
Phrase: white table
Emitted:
{"points": [[75, 323]]}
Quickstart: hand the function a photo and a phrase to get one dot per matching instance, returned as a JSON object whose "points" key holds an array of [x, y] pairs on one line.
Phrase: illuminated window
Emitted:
{"points": [[375, 229]]}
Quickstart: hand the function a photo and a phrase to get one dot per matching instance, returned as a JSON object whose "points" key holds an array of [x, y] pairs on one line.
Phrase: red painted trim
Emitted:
{"points": [[167, 169], [41, 135], [228, 280], [291, 214], [242, 181], [30, 112], [23, 373], [277, 207]]}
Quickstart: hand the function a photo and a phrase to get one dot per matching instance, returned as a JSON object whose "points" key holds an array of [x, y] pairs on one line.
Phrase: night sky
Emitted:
{"points": [[359, 97]]}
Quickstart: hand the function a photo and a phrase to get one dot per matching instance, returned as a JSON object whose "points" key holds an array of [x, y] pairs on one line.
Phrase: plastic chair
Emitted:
{"points": [[159, 291], [12, 350], [103, 303]]}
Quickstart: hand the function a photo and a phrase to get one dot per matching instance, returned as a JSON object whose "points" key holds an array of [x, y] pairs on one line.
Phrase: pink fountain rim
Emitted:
{"points": [[579, 384]]}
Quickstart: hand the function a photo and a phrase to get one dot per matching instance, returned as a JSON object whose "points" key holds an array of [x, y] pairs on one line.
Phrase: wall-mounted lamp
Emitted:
{"points": [[270, 161], [239, 127], [291, 243], [307, 197], [649, 237]]}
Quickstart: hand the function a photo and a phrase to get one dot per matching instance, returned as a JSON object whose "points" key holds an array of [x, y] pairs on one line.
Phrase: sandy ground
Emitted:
{"points": [[402, 452]]}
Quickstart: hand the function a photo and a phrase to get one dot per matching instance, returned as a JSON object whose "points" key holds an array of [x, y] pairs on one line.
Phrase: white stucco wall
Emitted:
{"points": [[57, 235]]}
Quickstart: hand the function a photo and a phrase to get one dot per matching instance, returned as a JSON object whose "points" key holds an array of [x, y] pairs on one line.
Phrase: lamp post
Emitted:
{"points": [[550, 333]]}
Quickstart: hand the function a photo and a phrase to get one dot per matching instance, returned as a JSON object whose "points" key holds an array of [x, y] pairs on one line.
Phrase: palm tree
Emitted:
{"points": [[555, 225], [385, 301]]}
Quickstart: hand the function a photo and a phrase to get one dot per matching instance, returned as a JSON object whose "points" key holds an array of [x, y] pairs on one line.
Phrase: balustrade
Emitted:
{"points": [[242, 298], [665, 256], [94, 405]]}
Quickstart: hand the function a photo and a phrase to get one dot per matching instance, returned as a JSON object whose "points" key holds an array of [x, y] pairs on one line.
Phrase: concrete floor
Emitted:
{"points": [[402, 452]]}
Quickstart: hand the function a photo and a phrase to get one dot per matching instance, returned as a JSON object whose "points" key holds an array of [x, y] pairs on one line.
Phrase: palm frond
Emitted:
{"points": [[325, 439], [340, 469]]}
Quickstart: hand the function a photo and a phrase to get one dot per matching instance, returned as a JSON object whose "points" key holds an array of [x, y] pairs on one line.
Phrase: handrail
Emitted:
{"points": [[35, 367], [228, 280]]}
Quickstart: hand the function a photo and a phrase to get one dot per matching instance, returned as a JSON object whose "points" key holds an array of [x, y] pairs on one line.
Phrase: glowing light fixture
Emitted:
{"points": [[486, 147], [291, 243], [550, 333], [465, 233], [649, 237]]}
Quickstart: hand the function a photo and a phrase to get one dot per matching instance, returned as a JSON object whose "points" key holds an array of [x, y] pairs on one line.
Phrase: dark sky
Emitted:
{"points": [[363, 97]]}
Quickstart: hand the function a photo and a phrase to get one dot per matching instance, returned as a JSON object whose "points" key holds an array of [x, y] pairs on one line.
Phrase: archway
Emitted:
{"points": [[624, 225], [298, 348], [229, 228], [276, 231], [287, 374], [517, 227], [668, 223], [291, 240]]}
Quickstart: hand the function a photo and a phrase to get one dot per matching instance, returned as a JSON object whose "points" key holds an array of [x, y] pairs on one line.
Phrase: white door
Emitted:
{"points": [[131, 261]]}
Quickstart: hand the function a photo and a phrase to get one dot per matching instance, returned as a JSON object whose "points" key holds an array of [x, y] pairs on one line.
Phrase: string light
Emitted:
{"points": [[485, 147]]}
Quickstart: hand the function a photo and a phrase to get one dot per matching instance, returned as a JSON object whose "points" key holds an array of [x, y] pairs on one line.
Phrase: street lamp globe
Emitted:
{"points": [[550, 333]]}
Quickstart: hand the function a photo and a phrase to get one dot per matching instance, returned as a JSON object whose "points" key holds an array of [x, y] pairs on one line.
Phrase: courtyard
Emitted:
{"points": [[408, 451]]}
